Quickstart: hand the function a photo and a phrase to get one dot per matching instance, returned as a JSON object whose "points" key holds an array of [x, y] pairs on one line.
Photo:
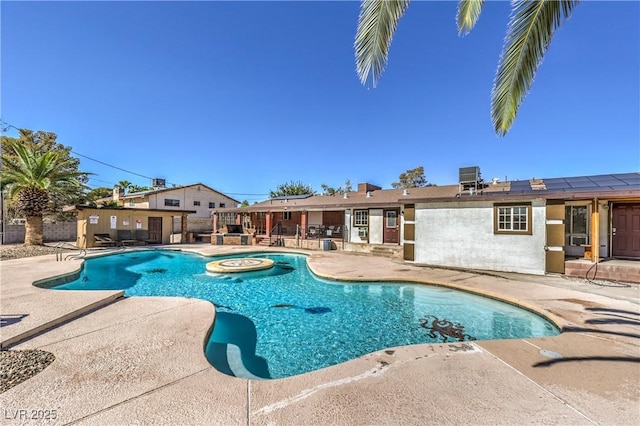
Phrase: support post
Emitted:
{"points": [[269, 220], [595, 231], [183, 228], [303, 224]]}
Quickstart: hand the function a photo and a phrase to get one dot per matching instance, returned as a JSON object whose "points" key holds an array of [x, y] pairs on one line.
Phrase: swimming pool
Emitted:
{"points": [[285, 321]]}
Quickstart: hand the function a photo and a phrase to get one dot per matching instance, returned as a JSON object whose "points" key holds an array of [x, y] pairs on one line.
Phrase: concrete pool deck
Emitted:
{"points": [[141, 360]]}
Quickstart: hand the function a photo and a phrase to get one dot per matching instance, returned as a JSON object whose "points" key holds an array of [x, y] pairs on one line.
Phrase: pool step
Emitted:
{"points": [[234, 359]]}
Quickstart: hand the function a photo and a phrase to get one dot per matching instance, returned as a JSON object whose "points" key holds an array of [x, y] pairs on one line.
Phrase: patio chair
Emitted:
{"points": [[125, 238], [104, 240], [312, 232], [142, 236]]}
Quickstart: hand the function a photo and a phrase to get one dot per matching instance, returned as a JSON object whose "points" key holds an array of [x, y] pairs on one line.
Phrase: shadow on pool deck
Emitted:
{"points": [[142, 360]]}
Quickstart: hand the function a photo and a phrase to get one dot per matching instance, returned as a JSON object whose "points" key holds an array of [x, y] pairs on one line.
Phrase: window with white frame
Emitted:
{"points": [[361, 218], [512, 219], [171, 203], [132, 203]]}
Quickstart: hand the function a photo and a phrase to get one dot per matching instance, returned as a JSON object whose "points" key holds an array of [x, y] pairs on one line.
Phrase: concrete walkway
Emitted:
{"points": [[141, 360]]}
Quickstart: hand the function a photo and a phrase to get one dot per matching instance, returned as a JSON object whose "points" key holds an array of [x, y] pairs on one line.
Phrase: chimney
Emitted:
{"points": [[367, 187], [117, 193]]}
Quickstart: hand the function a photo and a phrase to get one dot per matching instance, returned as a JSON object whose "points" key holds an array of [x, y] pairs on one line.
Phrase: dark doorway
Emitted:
{"points": [[391, 227], [625, 231], [155, 230]]}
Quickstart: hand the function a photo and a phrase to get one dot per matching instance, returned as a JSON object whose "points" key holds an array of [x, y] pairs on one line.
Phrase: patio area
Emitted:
{"points": [[141, 360]]}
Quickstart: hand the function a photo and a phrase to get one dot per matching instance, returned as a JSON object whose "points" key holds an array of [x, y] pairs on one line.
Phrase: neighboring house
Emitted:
{"points": [[199, 197], [520, 226]]}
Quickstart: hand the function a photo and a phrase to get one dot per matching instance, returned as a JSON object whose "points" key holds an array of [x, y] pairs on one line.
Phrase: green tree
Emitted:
{"points": [[291, 188], [132, 188], [529, 33], [329, 190], [123, 184], [30, 176], [60, 195], [347, 186], [412, 178], [245, 203], [98, 193]]}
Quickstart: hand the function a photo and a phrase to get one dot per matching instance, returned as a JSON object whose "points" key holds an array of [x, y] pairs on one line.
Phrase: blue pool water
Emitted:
{"points": [[285, 321]]}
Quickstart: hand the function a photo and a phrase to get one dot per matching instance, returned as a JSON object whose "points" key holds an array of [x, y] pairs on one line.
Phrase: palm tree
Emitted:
{"points": [[124, 184], [29, 176], [531, 28]]}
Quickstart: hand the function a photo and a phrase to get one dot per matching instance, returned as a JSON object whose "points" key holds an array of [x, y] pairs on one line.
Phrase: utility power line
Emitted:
{"points": [[4, 126]]}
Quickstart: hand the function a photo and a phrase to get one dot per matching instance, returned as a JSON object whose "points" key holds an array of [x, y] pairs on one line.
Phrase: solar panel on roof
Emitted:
{"points": [[520, 186], [556, 185], [611, 182]]}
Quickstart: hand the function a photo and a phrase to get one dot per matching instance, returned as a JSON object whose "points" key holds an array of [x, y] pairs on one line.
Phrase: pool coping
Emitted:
{"points": [[299, 399]]}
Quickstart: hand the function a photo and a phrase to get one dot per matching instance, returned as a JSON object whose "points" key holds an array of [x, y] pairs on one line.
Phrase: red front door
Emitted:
{"points": [[625, 230], [391, 226]]}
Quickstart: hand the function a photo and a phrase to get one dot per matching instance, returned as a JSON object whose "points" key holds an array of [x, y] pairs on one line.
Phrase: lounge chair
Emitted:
{"points": [[125, 238], [104, 240], [142, 236]]}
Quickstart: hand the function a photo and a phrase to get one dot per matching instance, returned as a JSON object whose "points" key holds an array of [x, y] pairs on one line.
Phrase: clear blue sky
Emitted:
{"points": [[243, 96]]}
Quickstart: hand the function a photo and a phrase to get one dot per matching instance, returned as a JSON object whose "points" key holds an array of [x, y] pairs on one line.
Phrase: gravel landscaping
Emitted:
{"points": [[17, 251], [16, 366]]}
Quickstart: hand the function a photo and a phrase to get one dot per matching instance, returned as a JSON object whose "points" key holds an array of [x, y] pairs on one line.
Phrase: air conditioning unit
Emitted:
{"points": [[576, 240], [469, 174], [158, 183]]}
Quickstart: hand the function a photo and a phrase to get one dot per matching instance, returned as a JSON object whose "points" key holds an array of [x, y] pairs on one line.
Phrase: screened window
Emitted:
{"points": [[576, 224], [512, 219], [171, 203], [226, 219], [361, 218]]}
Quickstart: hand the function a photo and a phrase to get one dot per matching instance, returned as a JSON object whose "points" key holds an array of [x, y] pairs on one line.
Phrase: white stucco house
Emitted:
{"points": [[528, 226], [199, 197]]}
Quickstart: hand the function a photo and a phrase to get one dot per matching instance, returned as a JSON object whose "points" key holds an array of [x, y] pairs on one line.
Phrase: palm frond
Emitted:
{"points": [[377, 23], [29, 168], [468, 14], [531, 28]]}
